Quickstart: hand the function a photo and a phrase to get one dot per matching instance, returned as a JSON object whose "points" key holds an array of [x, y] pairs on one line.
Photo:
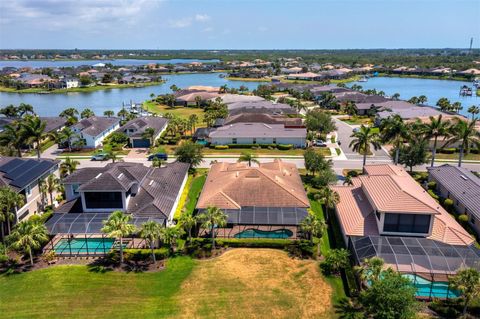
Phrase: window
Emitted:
{"points": [[407, 223], [274, 140], [28, 191], [254, 141], [234, 141], [75, 189]]}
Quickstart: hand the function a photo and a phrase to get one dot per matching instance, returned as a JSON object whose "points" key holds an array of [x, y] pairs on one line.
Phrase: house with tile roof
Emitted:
{"points": [[386, 207], [94, 129], [260, 201], [136, 127], [462, 187], [143, 192]]}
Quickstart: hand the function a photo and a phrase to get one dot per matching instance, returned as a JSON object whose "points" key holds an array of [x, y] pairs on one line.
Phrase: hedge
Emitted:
{"points": [[245, 242], [284, 147], [435, 196], [144, 254], [432, 185], [221, 147], [450, 150]]}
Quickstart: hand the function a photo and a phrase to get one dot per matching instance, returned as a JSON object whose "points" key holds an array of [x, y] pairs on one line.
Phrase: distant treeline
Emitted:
{"points": [[425, 58]]}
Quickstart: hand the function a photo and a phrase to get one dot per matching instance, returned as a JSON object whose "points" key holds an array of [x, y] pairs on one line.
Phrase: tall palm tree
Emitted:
{"points": [[52, 183], [123, 113], [330, 198], [468, 282], [118, 226], [187, 222], [34, 129], [248, 157], [435, 129], [67, 134], [170, 236], [198, 100], [371, 269], [466, 134], [13, 137], [211, 218], [108, 113], [474, 110], [25, 109], [364, 138], [70, 114], [314, 227], [193, 120], [422, 99], [10, 201], [349, 308], [28, 236], [149, 134], [42, 188], [151, 231], [393, 130], [86, 113], [68, 166]]}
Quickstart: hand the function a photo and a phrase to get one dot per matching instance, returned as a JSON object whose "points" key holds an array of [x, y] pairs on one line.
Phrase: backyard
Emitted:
{"points": [[180, 111], [242, 283]]}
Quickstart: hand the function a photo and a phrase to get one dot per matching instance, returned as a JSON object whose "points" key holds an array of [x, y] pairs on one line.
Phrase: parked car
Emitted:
{"points": [[99, 157], [161, 156], [319, 143]]}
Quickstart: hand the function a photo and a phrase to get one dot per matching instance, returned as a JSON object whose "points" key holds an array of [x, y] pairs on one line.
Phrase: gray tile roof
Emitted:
{"points": [[139, 124], [257, 130], [95, 125], [462, 185]]}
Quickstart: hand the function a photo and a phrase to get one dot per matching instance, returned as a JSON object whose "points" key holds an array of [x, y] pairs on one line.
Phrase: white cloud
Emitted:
{"points": [[208, 29], [188, 21], [202, 17]]}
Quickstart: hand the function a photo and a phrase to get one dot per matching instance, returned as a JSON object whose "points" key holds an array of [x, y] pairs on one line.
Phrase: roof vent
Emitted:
{"points": [[151, 183], [98, 175], [120, 175], [464, 177]]}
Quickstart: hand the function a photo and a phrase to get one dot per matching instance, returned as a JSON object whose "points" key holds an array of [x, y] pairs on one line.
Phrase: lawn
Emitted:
{"points": [[242, 283], [264, 151], [79, 89], [468, 157], [190, 194], [180, 111], [356, 120]]}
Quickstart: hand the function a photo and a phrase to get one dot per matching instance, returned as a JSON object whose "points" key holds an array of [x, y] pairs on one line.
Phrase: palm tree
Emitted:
{"points": [[9, 202], [86, 113], [474, 110], [169, 99], [34, 129], [149, 134], [211, 218], [151, 231], [157, 162], [348, 180], [13, 137], [52, 183], [170, 236], [444, 104], [248, 157], [465, 133], [394, 131], [364, 138], [435, 129], [70, 114], [349, 308], [25, 109], [67, 134], [174, 88], [68, 166], [468, 282], [187, 222], [123, 113], [371, 269], [193, 120], [28, 236], [330, 198], [108, 113], [198, 100], [396, 96], [314, 227], [152, 95], [422, 99], [42, 188], [118, 226]]}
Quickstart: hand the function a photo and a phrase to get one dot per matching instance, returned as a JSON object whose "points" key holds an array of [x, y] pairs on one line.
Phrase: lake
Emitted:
{"points": [[76, 63], [432, 89], [100, 101]]}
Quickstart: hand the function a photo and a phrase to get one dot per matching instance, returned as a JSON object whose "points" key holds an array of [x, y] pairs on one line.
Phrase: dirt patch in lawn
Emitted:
{"points": [[255, 283]]}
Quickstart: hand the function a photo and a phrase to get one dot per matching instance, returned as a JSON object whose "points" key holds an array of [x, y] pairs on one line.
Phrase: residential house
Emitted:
{"points": [[94, 129], [462, 187], [268, 200], [23, 176], [135, 129], [69, 83], [260, 107], [146, 193]]}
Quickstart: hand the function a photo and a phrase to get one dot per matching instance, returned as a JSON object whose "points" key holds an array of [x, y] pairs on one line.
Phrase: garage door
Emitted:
{"points": [[141, 143]]}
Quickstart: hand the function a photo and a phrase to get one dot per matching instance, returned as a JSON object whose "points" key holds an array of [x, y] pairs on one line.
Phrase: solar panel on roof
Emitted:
{"points": [[10, 165]]}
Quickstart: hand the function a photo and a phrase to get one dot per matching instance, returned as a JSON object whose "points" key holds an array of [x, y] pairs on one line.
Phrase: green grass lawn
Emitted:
{"points": [[75, 292], [264, 151], [194, 192], [468, 157], [79, 89], [355, 120], [180, 111]]}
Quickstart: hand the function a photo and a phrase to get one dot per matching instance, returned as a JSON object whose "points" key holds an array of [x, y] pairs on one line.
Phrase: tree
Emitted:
{"points": [[444, 104], [350, 108], [362, 141], [70, 114], [396, 96], [189, 152], [28, 236], [415, 153], [467, 281], [118, 226], [123, 113], [67, 134], [393, 130], [174, 88], [10, 111], [111, 153], [313, 227], [370, 269], [474, 110], [151, 231], [248, 157], [34, 130], [52, 183], [198, 100], [10, 201], [152, 95], [25, 109], [212, 217], [391, 297], [456, 107], [13, 137], [319, 121], [86, 113], [466, 134], [329, 198], [349, 308], [435, 129], [108, 113], [170, 236], [149, 134], [348, 180], [157, 162], [422, 99], [193, 120], [187, 222], [336, 260]]}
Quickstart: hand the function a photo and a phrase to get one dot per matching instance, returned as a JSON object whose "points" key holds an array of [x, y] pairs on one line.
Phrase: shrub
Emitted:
{"points": [[432, 185], [284, 147], [448, 204], [352, 173], [145, 254], [435, 196], [221, 147], [475, 151], [463, 218], [450, 150]]}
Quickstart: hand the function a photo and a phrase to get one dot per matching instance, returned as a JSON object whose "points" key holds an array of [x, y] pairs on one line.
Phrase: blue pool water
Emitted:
{"points": [[426, 288], [84, 246], [256, 233]]}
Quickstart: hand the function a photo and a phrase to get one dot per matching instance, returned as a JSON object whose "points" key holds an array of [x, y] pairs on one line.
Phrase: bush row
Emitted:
{"points": [[453, 150], [282, 147]]}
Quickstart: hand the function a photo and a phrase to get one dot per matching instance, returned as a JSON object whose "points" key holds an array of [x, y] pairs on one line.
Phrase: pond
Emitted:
{"points": [[432, 89], [76, 63], [100, 101]]}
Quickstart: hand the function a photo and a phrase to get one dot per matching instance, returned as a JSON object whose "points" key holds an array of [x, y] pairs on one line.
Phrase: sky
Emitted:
{"points": [[238, 24]]}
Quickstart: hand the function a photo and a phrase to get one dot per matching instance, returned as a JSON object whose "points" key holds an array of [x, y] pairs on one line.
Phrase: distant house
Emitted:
{"points": [[265, 201], [405, 109], [23, 176], [129, 79], [260, 107], [135, 129], [146, 193], [53, 123], [258, 133], [35, 80], [94, 129], [69, 83], [190, 97], [462, 187], [308, 76]]}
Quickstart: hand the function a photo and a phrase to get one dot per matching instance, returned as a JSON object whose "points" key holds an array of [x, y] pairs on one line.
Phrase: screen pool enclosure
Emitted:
{"points": [[271, 234], [428, 263]]}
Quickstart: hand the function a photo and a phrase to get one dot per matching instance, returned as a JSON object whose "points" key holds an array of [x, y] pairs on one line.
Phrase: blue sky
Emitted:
{"points": [[238, 24]]}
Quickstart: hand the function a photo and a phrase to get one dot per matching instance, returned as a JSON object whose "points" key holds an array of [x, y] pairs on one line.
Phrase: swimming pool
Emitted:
{"points": [[83, 246], [273, 234], [431, 289]]}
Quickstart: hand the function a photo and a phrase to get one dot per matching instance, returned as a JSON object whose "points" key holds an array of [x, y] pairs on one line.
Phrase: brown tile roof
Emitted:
{"points": [[389, 188], [232, 186]]}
